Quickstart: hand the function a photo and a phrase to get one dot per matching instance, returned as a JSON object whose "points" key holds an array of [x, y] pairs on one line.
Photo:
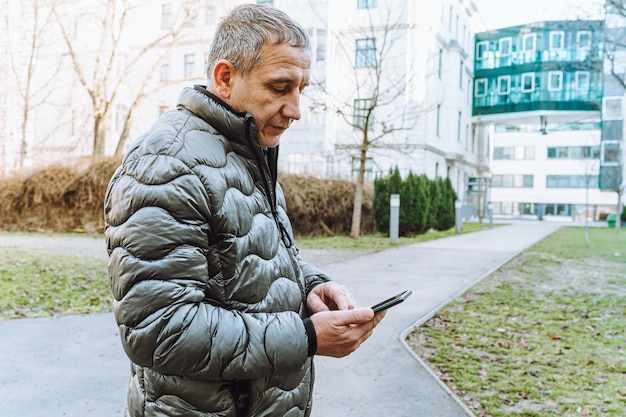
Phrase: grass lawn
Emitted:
{"points": [[543, 336], [37, 283]]}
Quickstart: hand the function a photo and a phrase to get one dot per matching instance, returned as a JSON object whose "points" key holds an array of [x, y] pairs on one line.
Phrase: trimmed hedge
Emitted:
{"points": [[424, 203]]}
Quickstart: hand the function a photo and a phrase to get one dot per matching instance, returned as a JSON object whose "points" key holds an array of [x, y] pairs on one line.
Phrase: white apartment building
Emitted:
{"points": [[416, 60], [423, 52]]}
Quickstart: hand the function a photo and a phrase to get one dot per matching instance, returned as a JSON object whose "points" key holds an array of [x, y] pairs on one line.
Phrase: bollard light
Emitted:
{"points": [[458, 215], [394, 217]]}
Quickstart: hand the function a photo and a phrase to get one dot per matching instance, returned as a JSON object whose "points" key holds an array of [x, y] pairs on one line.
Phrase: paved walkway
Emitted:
{"points": [[74, 366]]}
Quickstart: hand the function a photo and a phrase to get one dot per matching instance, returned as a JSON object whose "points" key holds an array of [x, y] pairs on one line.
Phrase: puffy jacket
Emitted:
{"points": [[209, 288]]}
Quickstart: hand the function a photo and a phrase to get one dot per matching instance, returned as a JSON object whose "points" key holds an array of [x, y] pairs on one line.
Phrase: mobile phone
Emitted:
{"points": [[397, 299]]}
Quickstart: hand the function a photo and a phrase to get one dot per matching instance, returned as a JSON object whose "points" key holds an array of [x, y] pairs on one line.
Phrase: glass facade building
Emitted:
{"points": [[553, 115], [554, 65]]}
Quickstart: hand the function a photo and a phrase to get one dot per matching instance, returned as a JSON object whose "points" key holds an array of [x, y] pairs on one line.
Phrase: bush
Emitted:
{"points": [[424, 203], [64, 198], [444, 205]]}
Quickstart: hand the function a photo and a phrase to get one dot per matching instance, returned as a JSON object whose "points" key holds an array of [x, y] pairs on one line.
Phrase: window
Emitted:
{"points": [[366, 4], [458, 127], [555, 80], [558, 209], [528, 82], [574, 152], [504, 84], [480, 87], [556, 40], [518, 153], [190, 61], [582, 80], [528, 42], [361, 112], [571, 181], [481, 49], [612, 108], [365, 53], [438, 118], [210, 16], [320, 53], [121, 115], [512, 181], [610, 152], [583, 39], [505, 47], [166, 16], [165, 72], [461, 75]]}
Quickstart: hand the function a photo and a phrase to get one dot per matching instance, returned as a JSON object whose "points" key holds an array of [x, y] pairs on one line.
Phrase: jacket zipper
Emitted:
{"points": [[268, 177]]}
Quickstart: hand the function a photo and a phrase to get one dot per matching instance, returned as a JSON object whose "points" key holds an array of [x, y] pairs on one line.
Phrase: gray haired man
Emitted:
{"points": [[217, 312]]}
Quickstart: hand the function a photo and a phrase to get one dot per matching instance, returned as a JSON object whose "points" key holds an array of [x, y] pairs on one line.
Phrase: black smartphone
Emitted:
{"points": [[397, 299]]}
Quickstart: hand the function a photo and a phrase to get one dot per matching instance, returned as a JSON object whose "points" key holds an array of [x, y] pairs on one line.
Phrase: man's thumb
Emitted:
{"points": [[358, 315]]}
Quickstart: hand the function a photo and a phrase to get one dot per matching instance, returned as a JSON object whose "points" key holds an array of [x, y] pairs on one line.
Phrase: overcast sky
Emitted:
{"points": [[503, 13]]}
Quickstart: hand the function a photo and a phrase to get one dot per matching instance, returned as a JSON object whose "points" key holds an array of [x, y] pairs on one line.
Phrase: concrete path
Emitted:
{"points": [[74, 366]]}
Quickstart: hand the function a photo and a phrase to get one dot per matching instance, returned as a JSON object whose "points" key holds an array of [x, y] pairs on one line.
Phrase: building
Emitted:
{"points": [[538, 101], [404, 70]]}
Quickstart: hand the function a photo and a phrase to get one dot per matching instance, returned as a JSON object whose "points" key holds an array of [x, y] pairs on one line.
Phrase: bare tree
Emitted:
{"points": [[31, 80], [376, 107], [103, 78]]}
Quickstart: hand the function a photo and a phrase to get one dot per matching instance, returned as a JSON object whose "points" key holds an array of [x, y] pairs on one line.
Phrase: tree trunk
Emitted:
{"points": [[23, 139], [99, 135], [618, 217], [355, 230], [119, 150]]}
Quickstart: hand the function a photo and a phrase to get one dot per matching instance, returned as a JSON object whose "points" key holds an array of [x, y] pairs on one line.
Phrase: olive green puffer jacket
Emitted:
{"points": [[208, 285]]}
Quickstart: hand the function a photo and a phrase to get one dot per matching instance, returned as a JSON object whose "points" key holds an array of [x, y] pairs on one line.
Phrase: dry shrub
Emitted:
{"points": [[84, 197], [64, 198], [324, 206], [58, 198]]}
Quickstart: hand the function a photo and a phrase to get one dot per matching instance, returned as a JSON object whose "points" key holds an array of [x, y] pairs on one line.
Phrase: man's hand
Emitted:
{"points": [[340, 333], [330, 296]]}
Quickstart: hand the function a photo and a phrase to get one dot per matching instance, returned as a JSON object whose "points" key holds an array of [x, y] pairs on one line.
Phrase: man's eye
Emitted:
{"points": [[279, 89]]}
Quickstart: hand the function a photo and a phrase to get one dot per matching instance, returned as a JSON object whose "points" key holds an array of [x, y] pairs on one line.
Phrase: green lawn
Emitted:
{"points": [[35, 283], [543, 336]]}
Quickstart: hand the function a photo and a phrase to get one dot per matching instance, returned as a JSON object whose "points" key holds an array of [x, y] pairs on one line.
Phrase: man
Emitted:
{"points": [[217, 312]]}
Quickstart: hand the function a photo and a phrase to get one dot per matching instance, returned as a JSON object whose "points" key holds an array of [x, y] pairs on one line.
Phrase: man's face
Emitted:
{"points": [[271, 91]]}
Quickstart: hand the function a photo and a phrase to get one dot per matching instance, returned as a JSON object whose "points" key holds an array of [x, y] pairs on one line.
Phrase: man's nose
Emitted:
{"points": [[291, 107]]}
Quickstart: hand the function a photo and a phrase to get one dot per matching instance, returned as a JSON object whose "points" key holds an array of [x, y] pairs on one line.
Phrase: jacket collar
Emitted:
{"points": [[238, 127]]}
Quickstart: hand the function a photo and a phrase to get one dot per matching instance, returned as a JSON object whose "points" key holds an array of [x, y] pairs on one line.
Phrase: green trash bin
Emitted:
{"points": [[610, 219]]}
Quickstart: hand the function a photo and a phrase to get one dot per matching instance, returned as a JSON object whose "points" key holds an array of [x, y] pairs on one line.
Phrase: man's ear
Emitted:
{"points": [[223, 73]]}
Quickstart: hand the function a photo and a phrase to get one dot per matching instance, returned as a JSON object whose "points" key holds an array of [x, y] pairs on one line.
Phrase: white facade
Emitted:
{"points": [[424, 56], [555, 174], [421, 78]]}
